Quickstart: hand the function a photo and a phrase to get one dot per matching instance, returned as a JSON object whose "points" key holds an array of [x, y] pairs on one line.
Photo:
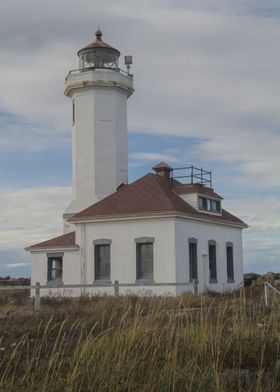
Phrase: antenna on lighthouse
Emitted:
{"points": [[128, 62]]}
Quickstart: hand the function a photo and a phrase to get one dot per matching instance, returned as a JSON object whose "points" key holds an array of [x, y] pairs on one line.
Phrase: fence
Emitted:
{"points": [[267, 293], [116, 285]]}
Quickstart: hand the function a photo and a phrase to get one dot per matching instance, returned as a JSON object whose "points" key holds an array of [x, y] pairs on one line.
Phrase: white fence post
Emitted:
{"points": [[266, 295], [37, 297], [194, 286], [116, 288]]}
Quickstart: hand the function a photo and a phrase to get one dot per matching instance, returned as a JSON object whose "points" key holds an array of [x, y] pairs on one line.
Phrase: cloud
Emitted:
{"points": [[208, 70], [31, 215], [203, 70], [153, 157], [261, 240], [17, 265]]}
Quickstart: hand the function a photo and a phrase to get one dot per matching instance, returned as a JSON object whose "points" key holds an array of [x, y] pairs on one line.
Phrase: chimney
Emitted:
{"points": [[163, 170]]}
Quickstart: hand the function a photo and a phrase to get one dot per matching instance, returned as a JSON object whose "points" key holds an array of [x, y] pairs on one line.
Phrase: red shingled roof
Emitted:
{"points": [[64, 240], [150, 194]]}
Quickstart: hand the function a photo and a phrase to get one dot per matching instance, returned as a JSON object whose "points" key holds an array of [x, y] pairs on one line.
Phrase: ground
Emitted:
{"points": [[189, 343]]}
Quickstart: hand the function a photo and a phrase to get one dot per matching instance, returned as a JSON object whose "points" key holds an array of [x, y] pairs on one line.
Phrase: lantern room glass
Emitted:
{"points": [[99, 58]]}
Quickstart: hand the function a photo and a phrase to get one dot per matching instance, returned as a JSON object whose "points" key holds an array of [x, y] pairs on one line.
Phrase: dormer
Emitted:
{"points": [[197, 191], [201, 197]]}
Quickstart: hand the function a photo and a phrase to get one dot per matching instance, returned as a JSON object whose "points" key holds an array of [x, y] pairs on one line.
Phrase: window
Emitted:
{"points": [[144, 258], [230, 269], [216, 206], [73, 112], [212, 262], [207, 204], [193, 258], [202, 203], [102, 261], [55, 267]]}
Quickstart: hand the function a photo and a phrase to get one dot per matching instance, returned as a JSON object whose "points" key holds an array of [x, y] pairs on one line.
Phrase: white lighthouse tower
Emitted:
{"points": [[99, 90]]}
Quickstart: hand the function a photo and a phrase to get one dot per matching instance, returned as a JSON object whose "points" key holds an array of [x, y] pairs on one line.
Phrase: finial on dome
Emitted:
{"points": [[98, 33]]}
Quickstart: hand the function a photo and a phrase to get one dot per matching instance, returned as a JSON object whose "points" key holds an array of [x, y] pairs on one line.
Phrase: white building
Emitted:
{"points": [[154, 230]]}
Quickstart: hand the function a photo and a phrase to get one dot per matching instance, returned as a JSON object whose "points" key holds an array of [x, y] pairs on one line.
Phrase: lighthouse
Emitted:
{"points": [[98, 91], [164, 233]]}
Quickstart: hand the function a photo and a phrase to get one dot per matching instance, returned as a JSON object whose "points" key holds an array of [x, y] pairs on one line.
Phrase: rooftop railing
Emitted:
{"points": [[193, 174], [81, 70]]}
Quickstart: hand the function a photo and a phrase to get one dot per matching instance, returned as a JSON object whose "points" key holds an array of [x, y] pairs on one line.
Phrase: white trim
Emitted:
{"points": [[56, 249], [160, 216]]}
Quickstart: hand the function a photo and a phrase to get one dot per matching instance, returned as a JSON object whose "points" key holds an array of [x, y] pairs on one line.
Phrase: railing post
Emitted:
{"points": [[194, 282], [265, 295], [116, 288], [37, 297]]}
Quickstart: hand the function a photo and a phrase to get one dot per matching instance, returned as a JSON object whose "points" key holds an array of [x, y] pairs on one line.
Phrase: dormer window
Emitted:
{"points": [[216, 206], [202, 203], [209, 205]]}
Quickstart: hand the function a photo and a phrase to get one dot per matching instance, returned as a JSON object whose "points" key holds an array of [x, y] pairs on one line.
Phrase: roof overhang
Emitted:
{"points": [[159, 215], [52, 248]]}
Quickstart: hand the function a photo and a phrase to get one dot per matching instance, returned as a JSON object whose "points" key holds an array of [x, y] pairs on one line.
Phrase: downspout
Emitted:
{"points": [[205, 277], [83, 258]]}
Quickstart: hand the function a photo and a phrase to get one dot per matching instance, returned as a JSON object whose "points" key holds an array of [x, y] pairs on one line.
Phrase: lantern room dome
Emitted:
{"points": [[98, 54]]}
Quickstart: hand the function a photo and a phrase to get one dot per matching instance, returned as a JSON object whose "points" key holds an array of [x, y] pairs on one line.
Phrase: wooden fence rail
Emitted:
{"points": [[116, 286], [267, 288]]}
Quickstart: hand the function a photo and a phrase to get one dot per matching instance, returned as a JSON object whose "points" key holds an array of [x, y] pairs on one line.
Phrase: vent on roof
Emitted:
{"points": [[163, 170]]}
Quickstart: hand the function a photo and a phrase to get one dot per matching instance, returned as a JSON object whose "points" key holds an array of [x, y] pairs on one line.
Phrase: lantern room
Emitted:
{"points": [[98, 54]]}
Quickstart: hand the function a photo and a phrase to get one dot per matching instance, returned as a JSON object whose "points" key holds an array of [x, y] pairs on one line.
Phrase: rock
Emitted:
{"points": [[252, 279], [249, 278], [269, 276], [276, 283]]}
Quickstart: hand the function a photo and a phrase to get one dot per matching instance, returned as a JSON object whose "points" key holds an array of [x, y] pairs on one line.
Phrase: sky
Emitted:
{"points": [[206, 78]]}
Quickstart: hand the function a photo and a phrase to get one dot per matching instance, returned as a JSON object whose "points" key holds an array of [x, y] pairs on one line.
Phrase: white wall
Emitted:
{"points": [[204, 232], [123, 248], [70, 275], [171, 255], [99, 133], [191, 198]]}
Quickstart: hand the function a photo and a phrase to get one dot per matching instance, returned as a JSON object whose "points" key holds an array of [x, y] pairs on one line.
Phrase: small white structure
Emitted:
{"points": [[155, 230]]}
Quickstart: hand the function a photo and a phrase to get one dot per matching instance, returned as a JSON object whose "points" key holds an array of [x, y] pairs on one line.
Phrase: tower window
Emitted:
{"points": [[73, 112]]}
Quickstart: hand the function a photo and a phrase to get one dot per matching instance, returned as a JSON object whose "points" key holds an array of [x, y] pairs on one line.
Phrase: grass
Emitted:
{"points": [[190, 343]]}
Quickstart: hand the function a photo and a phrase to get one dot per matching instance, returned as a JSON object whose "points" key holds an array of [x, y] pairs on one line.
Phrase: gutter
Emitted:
{"points": [[172, 214]]}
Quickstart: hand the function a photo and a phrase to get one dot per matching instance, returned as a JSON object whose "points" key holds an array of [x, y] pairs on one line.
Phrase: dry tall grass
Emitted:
{"points": [[225, 343]]}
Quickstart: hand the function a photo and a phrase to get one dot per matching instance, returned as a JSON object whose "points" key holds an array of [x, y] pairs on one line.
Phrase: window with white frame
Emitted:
{"points": [[212, 261], [144, 258], [102, 259], [55, 267], [193, 259], [230, 265], [209, 204]]}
